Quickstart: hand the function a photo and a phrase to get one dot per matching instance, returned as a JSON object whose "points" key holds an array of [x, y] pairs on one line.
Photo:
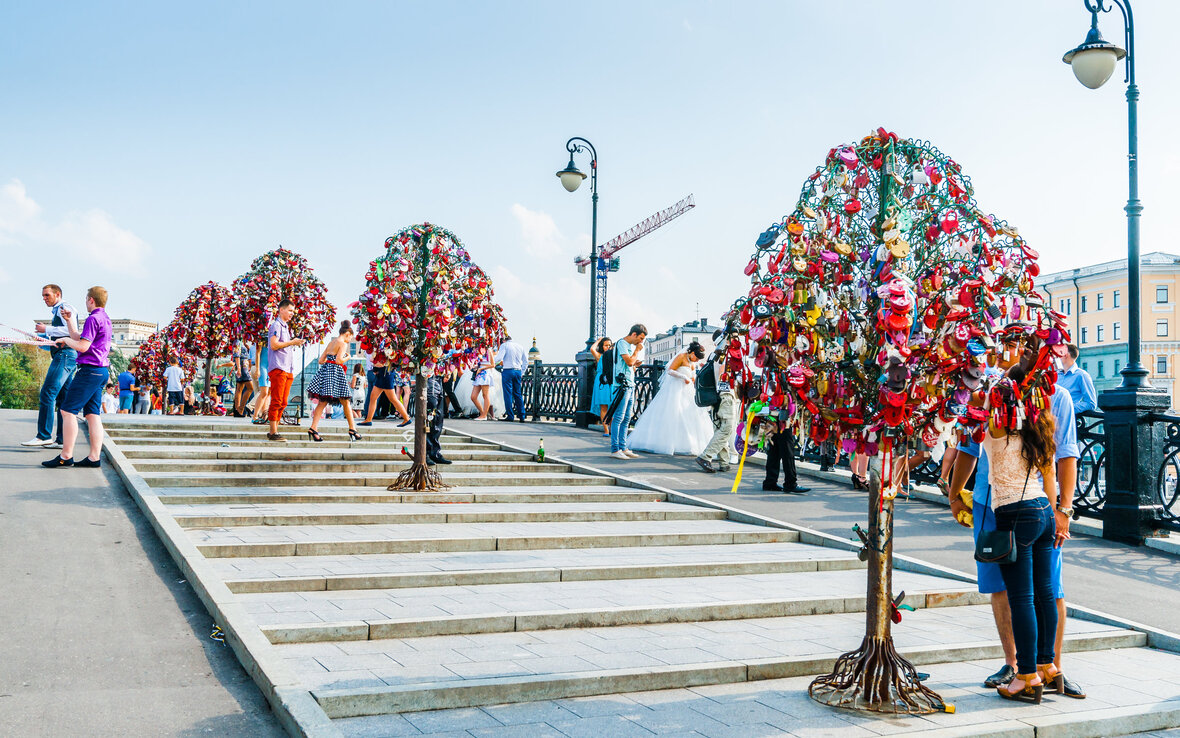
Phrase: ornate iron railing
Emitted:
{"points": [[1168, 478], [551, 390], [1091, 488]]}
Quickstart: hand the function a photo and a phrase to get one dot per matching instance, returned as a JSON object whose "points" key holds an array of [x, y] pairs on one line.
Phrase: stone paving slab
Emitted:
{"points": [[164, 443], [815, 591], [281, 468], [781, 707], [312, 452]]}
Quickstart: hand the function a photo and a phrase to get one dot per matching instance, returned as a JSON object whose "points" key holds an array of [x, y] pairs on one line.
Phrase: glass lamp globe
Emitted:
{"points": [[1094, 60], [570, 177]]}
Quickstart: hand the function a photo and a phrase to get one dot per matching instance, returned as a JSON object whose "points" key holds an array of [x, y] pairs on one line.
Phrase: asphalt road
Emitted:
{"points": [[102, 635], [1139, 584]]}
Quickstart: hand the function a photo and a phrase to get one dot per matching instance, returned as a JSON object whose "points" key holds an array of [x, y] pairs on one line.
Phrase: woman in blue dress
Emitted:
{"points": [[603, 383]]}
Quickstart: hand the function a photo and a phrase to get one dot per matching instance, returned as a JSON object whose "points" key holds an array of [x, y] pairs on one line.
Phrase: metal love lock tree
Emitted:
{"points": [[426, 309], [280, 275], [152, 357], [872, 314], [205, 325]]}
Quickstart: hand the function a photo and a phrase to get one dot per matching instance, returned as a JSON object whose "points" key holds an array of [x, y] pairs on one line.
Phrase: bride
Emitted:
{"points": [[672, 423]]}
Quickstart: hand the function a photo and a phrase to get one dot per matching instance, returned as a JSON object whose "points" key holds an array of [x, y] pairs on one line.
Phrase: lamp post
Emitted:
{"points": [[571, 179], [1134, 444]]}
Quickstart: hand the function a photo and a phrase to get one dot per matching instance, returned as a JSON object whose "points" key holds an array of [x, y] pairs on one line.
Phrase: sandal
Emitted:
{"points": [[1054, 680], [1030, 693], [944, 488], [859, 482]]}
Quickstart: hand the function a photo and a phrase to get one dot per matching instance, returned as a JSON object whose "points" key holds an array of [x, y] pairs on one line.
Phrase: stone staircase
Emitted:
{"points": [[523, 582]]}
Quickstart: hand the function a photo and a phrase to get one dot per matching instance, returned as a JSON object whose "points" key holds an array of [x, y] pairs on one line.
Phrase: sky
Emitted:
{"points": [[150, 147]]}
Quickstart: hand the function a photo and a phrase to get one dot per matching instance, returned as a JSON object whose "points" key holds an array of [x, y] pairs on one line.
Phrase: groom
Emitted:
{"points": [[628, 355]]}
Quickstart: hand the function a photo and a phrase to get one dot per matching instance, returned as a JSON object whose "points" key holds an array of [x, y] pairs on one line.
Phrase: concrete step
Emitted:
{"points": [[309, 453], [295, 617], [461, 568], [284, 495], [395, 463], [247, 430], [222, 516], [367, 539], [293, 442], [407, 674], [383, 479]]}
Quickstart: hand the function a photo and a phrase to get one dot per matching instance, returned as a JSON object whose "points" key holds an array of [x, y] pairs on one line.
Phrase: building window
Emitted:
{"points": [[1161, 365], [1161, 327], [1161, 294], [1101, 371], [1100, 329], [1099, 300], [1069, 306], [1063, 306], [1085, 366], [1117, 364], [1083, 305], [1115, 299], [1114, 336], [1083, 334]]}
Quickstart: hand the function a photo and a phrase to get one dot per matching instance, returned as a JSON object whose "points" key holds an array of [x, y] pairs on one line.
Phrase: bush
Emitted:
{"points": [[21, 371]]}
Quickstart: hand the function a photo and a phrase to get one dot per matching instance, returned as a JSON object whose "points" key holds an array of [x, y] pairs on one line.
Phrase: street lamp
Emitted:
{"points": [[1093, 63], [571, 178]]}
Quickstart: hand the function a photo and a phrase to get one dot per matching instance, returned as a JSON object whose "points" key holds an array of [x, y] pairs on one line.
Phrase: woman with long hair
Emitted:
{"points": [[1019, 442], [604, 381], [330, 386]]}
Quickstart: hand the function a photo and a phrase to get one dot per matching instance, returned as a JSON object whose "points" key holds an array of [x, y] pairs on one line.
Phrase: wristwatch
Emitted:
{"points": [[1066, 511]]}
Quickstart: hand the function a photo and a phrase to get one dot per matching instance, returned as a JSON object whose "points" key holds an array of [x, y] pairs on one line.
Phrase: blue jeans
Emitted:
{"points": [[370, 378], [621, 422], [513, 393], [1029, 581], [61, 370]]}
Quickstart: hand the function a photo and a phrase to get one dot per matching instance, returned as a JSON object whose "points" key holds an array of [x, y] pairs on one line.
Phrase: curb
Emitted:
{"points": [[296, 710]]}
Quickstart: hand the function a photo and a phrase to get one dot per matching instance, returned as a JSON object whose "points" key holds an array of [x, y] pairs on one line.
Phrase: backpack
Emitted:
{"points": [[706, 386]]}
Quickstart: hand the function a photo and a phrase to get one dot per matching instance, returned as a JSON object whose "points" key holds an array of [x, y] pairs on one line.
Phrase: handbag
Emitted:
{"points": [[706, 394], [998, 546]]}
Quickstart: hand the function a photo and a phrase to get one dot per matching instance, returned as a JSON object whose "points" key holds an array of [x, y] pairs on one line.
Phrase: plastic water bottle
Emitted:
{"points": [[541, 451]]}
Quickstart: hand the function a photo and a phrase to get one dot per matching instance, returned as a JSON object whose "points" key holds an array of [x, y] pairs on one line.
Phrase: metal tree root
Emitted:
{"points": [[420, 479], [875, 678]]}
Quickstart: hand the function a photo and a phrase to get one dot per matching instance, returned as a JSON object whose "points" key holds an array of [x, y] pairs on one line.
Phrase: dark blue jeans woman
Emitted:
{"points": [[1029, 581]]}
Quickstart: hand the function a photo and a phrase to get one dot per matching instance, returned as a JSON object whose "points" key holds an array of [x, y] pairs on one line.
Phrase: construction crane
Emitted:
{"points": [[608, 262]]}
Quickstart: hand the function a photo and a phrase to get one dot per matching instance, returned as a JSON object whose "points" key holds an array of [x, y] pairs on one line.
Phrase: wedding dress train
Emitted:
{"points": [[672, 423]]}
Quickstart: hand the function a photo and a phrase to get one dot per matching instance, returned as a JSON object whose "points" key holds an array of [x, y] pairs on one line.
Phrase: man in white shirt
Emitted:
{"points": [[513, 358], [61, 367], [174, 376]]}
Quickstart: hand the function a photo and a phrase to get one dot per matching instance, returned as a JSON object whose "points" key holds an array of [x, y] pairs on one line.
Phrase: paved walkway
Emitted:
{"points": [[1139, 584], [102, 634]]}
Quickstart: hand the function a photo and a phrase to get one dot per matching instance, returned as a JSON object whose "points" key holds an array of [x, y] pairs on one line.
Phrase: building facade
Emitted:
{"points": [[664, 346], [1095, 300]]}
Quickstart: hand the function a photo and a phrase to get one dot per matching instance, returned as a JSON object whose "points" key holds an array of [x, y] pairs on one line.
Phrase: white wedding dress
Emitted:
{"points": [[672, 423]]}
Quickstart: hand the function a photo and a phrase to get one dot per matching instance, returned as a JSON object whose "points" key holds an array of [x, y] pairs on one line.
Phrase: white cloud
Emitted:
{"points": [[504, 282], [539, 233], [687, 25], [88, 235]]}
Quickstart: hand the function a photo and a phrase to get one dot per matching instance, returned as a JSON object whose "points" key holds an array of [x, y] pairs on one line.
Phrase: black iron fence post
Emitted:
{"points": [[535, 398], [586, 365], [1134, 455]]}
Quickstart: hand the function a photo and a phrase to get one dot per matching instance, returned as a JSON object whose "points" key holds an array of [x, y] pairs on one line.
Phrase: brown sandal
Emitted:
{"points": [[1054, 681], [1028, 693]]}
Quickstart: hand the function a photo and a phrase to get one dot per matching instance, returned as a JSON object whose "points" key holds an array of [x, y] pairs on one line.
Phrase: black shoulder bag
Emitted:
{"points": [[706, 394], [998, 546]]}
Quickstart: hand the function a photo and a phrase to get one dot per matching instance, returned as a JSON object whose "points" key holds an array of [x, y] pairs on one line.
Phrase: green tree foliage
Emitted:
{"points": [[21, 370]]}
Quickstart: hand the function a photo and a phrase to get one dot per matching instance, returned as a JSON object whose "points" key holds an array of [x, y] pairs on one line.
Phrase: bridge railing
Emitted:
{"points": [[551, 390]]}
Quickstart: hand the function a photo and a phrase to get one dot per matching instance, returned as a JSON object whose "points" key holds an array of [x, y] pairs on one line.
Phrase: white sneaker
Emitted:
{"points": [[38, 442], [621, 455], [630, 454], [52, 444]]}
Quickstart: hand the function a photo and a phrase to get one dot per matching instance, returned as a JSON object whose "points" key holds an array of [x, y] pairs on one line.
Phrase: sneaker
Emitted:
{"points": [[620, 455], [88, 464], [706, 465], [38, 442], [57, 462], [723, 466], [630, 454], [52, 444], [275, 437]]}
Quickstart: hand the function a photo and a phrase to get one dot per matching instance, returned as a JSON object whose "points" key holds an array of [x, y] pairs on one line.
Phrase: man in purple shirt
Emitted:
{"points": [[282, 365], [85, 391]]}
